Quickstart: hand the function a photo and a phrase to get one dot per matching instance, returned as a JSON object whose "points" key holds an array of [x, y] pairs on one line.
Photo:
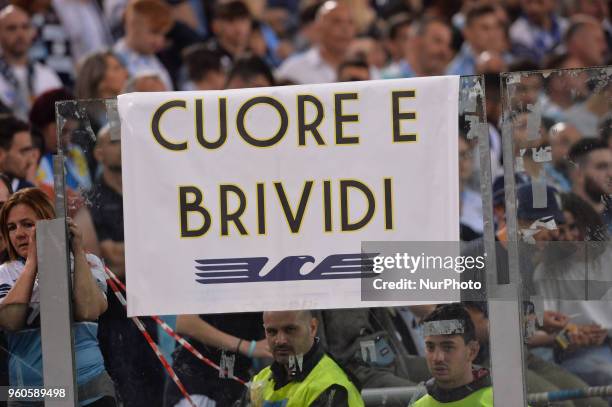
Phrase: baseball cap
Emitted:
{"points": [[499, 192], [527, 211]]}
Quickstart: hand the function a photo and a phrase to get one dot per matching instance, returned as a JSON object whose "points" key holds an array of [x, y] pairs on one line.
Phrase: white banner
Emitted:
{"points": [[259, 199]]}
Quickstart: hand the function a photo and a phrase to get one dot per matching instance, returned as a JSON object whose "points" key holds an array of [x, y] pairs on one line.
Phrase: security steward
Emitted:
{"points": [[450, 349], [301, 374]]}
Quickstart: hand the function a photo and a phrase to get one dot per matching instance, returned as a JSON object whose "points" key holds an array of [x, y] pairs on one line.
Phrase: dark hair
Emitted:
{"points": [[464, 128], [91, 72], [353, 62], [605, 129], [556, 60], [396, 23], [582, 148], [36, 199], [499, 191], [231, 10], [478, 11], [492, 91], [28, 6], [587, 219], [523, 65], [309, 13], [38, 141], [43, 109], [285, 82], [458, 312], [577, 23], [9, 126], [199, 61], [249, 67], [7, 182]]}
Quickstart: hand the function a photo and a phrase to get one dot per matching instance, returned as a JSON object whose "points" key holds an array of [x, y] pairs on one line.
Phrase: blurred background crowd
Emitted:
{"points": [[88, 49], [60, 50]]}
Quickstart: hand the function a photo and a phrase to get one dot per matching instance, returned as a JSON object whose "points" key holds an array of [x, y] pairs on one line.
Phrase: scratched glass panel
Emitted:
{"points": [[559, 123]]}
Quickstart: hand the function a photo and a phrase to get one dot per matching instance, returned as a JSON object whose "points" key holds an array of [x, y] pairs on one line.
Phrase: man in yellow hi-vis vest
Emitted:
{"points": [[302, 374], [450, 349]]}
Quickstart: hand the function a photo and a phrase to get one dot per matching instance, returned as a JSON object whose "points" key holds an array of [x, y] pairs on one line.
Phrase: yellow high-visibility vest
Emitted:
{"points": [[301, 394], [480, 398]]}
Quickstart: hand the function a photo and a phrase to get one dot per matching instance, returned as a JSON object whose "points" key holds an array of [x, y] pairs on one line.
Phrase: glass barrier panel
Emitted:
{"points": [[559, 122]]}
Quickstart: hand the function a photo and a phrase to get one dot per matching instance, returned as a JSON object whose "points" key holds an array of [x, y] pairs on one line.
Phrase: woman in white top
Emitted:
{"points": [[20, 303]]}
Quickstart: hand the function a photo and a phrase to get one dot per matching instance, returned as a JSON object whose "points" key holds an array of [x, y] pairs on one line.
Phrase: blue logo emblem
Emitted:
{"points": [[248, 269]]}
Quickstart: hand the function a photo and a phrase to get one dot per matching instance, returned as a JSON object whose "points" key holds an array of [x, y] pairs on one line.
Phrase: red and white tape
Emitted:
{"points": [[115, 285], [152, 344]]}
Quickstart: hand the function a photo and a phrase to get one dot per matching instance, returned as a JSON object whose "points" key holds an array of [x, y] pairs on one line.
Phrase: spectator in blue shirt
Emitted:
{"points": [[483, 32], [537, 31], [427, 50]]}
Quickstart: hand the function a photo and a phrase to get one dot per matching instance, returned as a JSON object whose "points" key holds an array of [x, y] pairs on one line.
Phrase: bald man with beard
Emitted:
{"points": [[302, 374]]}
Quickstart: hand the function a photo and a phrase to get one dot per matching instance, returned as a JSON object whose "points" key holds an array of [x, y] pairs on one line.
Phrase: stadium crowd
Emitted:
{"points": [[61, 50]]}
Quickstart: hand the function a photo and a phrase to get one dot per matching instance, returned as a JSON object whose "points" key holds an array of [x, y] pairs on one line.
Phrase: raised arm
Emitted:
{"points": [[14, 307], [202, 331], [89, 301]]}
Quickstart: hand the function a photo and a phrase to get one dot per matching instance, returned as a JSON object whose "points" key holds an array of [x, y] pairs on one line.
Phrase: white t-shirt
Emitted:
{"points": [[307, 67], [25, 347], [43, 79], [11, 271]]}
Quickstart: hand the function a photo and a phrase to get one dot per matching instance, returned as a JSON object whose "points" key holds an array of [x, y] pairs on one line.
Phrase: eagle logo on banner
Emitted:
{"points": [[248, 269]]}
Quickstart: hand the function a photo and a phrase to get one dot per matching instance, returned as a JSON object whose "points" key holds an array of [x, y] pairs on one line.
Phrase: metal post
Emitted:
{"points": [[505, 306], [55, 310]]}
